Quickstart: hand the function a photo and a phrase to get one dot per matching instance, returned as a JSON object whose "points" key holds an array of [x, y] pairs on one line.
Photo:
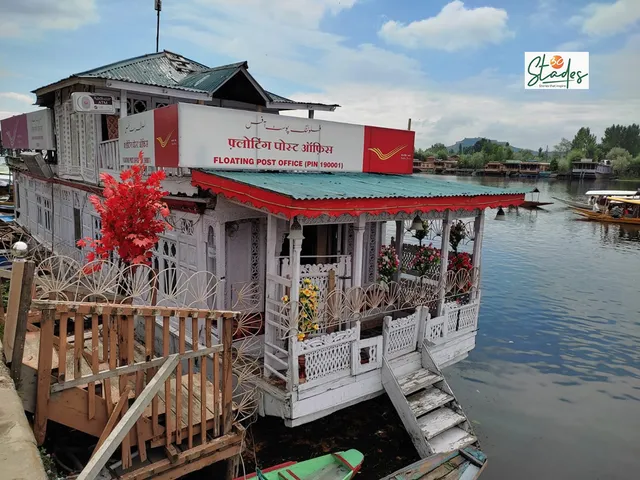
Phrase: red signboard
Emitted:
{"points": [[165, 131], [387, 150]]}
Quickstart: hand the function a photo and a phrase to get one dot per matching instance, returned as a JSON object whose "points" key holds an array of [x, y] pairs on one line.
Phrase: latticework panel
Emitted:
{"points": [[328, 361]]}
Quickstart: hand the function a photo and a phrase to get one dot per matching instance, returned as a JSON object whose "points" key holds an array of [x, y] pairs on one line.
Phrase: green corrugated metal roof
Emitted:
{"points": [[163, 69], [316, 186], [210, 79]]}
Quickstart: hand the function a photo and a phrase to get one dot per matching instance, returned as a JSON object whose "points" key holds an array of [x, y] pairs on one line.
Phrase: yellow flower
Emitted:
{"points": [[307, 281], [285, 299], [316, 326], [300, 337]]}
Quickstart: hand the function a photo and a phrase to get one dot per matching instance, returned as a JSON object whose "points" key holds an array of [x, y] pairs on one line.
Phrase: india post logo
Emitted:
{"points": [[386, 156], [559, 70]]}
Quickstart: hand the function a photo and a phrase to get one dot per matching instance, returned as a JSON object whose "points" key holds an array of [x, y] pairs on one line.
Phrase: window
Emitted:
{"points": [[165, 263], [96, 224], [44, 212], [77, 225]]}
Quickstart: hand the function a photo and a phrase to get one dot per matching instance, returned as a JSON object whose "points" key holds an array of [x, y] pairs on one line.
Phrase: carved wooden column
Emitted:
{"points": [[478, 228], [444, 261], [358, 251], [399, 246], [295, 247], [221, 236]]}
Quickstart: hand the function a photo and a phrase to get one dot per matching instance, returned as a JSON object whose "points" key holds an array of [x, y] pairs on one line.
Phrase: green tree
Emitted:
{"points": [[563, 147], [553, 165], [574, 155], [584, 141], [627, 137], [508, 153], [442, 154], [438, 146], [477, 160], [620, 160], [540, 152]]}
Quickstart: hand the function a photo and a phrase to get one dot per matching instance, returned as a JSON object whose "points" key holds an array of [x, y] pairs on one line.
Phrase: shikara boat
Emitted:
{"points": [[335, 466], [630, 215], [599, 194], [464, 464]]}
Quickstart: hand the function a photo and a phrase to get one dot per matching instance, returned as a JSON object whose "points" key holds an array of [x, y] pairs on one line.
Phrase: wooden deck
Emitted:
{"points": [[91, 383]]}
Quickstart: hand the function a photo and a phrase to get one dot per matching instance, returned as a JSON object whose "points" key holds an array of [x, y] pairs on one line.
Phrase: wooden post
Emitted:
{"points": [[444, 261], [358, 251], [295, 248], [311, 112], [45, 357], [399, 246], [22, 318], [220, 264], [409, 125], [227, 375], [123, 103], [478, 228]]}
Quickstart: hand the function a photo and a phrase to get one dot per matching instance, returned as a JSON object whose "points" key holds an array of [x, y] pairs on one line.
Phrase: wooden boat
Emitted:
{"points": [[464, 464], [599, 194], [573, 204], [633, 218], [335, 466], [534, 200]]}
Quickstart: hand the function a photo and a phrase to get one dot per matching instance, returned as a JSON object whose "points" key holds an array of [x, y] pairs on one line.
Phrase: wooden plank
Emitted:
{"points": [[200, 463], [417, 380], [203, 385], [105, 338], [194, 344], [452, 439], [94, 365], [113, 419], [215, 393], [427, 400], [167, 385], [436, 422], [181, 346], [21, 321], [150, 338], [225, 446], [119, 433], [44, 376], [172, 453], [78, 344], [62, 348], [13, 308], [227, 376], [142, 448]]}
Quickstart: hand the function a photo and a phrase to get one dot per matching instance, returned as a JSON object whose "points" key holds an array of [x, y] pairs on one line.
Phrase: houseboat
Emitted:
{"points": [[588, 168], [276, 210]]}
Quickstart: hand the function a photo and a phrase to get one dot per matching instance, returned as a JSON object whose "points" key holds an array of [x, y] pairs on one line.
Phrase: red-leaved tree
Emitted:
{"points": [[132, 215]]}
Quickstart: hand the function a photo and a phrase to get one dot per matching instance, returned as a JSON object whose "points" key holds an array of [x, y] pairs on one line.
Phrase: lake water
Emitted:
{"points": [[553, 385]]}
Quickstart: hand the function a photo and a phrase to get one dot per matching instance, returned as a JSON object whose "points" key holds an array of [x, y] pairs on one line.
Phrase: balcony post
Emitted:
{"points": [[295, 247], [478, 229], [444, 261], [358, 251]]}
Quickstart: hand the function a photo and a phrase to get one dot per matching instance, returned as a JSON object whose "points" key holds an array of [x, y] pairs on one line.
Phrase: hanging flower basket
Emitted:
{"points": [[388, 263]]}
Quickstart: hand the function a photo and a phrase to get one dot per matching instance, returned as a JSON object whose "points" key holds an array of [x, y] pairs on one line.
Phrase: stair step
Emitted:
{"points": [[417, 380], [436, 422], [427, 400], [452, 439]]}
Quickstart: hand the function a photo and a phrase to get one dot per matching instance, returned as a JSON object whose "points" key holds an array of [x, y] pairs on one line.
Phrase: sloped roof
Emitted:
{"points": [[315, 194], [171, 70]]}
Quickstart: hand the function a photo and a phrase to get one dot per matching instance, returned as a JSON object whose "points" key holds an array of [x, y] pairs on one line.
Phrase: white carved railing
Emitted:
{"points": [[328, 357], [400, 335], [367, 355], [318, 273], [109, 157], [277, 326], [456, 320]]}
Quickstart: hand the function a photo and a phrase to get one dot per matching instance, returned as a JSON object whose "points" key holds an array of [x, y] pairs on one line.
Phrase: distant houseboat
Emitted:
{"points": [[588, 168]]}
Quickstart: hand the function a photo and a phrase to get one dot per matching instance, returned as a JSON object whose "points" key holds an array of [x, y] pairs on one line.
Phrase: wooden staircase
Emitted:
{"points": [[427, 407]]}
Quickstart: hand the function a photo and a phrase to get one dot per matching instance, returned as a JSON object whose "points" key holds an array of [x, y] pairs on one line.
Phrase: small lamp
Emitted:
{"points": [[416, 224], [500, 215], [295, 230]]}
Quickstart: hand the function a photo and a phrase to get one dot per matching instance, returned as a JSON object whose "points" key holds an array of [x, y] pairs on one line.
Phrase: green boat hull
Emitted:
{"points": [[335, 466]]}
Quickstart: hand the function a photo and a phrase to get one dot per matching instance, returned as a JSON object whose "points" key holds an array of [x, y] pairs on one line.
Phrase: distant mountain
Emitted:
{"points": [[470, 142]]}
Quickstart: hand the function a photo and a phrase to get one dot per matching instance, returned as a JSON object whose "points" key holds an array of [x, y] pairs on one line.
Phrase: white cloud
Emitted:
{"points": [[288, 36], [377, 86], [454, 28], [20, 97], [28, 17], [605, 19]]}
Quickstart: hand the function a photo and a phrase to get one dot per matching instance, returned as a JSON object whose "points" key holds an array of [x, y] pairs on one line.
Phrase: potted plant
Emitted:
{"points": [[425, 260], [307, 315], [457, 233], [461, 262], [388, 263]]}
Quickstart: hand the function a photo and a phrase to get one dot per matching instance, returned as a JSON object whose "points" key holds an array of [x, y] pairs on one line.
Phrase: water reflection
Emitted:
{"points": [[555, 375]]}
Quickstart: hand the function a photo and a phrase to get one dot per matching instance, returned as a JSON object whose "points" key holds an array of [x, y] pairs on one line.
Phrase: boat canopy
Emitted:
{"points": [[608, 193], [625, 200]]}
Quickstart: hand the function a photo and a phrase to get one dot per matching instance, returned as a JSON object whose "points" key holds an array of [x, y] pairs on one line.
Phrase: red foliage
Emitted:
{"points": [[132, 215]]}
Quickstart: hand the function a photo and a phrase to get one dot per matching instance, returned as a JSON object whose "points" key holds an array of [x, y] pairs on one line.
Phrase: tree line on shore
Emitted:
{"points": [[620, 144]]}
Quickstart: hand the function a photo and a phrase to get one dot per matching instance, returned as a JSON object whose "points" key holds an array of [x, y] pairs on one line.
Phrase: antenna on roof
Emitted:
{"points": [[158, 8]]}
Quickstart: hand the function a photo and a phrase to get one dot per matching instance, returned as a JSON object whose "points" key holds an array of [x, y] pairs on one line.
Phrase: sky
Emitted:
{"points": [[455, 68]]}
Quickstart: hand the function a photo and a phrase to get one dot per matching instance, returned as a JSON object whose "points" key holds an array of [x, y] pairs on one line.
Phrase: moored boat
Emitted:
{"points": [[464, 464], [335, 466], [616, 210], [599, 196]]}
